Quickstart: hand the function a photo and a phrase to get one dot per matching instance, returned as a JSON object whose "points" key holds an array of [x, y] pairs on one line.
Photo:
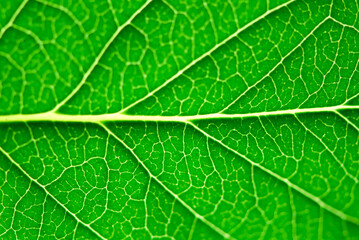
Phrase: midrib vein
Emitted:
{"points": [[58, 117]]}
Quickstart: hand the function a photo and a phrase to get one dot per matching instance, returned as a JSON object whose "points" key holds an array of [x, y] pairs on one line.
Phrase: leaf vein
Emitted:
{"points": [[210, 224], [98, 58], [13, 18], [48, 193], [310, 196], [195, 61]]}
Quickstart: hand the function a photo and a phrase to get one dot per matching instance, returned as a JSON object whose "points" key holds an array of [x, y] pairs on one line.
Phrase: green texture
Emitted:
{"points": [[179, 119]]}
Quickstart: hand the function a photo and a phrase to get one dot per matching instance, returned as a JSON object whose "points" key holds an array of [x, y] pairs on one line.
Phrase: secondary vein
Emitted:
{"points": [[48, 193], [189, 208], [97, 59], [12, 19], [290, 184], [195, 61]]}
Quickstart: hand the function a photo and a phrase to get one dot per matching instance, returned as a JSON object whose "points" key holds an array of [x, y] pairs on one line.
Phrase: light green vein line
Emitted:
{"points": [[97, 59], [48, 193], [306, 128], [347, 120], [59, 117], [277, 65], [344, 25], [195, 61], [192, 229], [70, 15], [356, 69], [12, 19], [310, 196], [214, 227]]}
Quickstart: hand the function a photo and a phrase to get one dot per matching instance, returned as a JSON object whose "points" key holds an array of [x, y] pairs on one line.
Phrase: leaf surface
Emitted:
{"points": [[179, 119]]}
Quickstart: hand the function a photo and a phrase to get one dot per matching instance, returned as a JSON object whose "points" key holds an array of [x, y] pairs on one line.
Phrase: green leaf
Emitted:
{"points": [[179, 119]]}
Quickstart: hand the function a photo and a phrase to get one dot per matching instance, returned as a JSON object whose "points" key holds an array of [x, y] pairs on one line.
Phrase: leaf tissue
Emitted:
{"points": [[179, 119]]}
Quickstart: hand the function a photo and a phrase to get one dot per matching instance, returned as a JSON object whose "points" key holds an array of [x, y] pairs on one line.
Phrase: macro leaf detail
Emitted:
{"points": [[183, 119]]}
